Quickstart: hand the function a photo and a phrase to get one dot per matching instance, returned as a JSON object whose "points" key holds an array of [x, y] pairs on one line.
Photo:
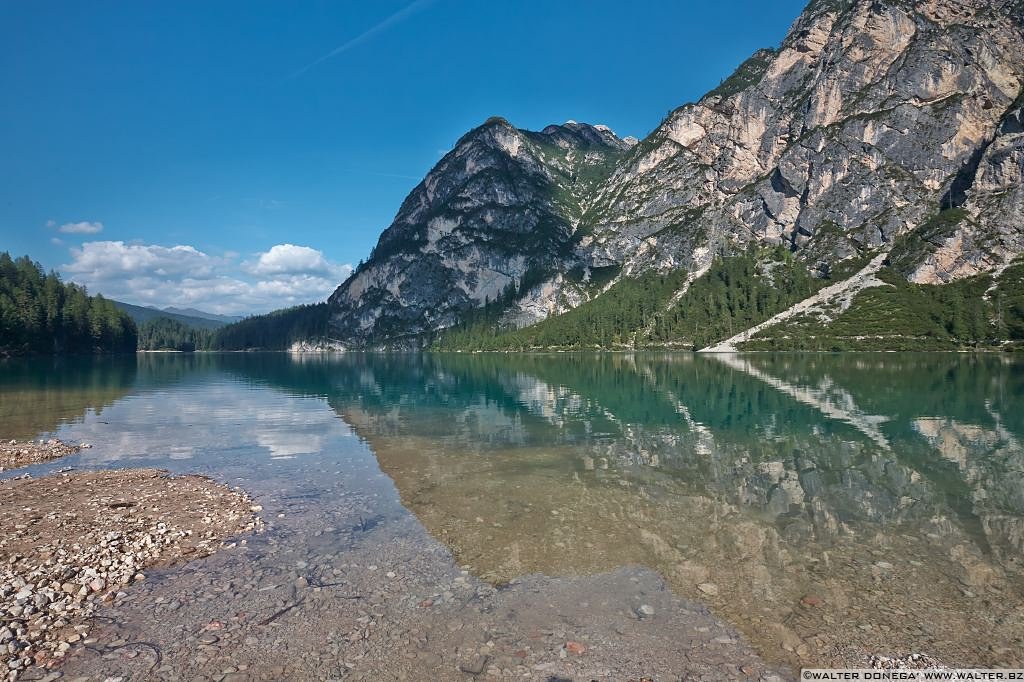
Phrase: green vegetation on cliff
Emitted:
{"points": [[746, 75], [740, 291], [913, 247], [39, 314], [609, 320], [971, 313], [737, 292]]}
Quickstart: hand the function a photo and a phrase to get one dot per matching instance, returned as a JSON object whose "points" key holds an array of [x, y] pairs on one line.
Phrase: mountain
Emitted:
{"points": [[187, 316], [493, 222], [202, 314], [873, 162]]}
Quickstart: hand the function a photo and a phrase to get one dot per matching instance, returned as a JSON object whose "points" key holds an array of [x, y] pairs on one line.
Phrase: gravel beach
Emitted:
{"points": [[71, 541], [21, 453]]}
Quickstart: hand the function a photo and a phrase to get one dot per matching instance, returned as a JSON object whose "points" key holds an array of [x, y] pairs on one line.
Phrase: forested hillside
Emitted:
{"points": [[273, 331], [276, 330], [610, 320], [980, 312], [39, 314], [164, 333], [143, 314]]}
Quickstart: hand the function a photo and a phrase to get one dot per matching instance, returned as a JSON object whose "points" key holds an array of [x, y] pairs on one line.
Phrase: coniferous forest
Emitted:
{"points": [[276, 330], [40, 314], [163, 333]]}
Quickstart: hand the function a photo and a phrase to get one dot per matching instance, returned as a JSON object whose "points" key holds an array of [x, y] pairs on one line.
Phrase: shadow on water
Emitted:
{"points": [[38, 395]]}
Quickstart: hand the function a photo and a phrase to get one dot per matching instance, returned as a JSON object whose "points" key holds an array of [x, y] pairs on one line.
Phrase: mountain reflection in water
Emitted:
{"points": [[819, 502], [823, 504]]}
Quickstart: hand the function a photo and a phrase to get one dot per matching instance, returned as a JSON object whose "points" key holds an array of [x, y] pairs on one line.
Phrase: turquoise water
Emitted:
{"points": [[816, 501]]}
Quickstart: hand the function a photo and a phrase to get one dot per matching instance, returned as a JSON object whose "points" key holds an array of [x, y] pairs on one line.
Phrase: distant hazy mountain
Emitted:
{"points": [[189, 316], [194, 312]]}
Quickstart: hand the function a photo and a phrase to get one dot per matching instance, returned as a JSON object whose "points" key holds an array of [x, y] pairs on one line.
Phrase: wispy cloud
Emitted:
{"points": [[366, 35], [83, 227]]}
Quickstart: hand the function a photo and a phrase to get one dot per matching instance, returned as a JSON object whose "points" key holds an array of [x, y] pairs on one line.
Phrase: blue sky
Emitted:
{"points": [[159, 152]]}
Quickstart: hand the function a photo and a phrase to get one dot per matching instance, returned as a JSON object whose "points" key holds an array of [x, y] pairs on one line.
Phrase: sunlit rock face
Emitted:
{"points": [[991, 235], [855, 130], [493, 221], [868, 119]]}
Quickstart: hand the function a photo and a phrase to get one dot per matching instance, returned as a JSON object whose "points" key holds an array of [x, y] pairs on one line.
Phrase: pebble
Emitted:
{"points": [[710, 589], [475, 665], [575, 648]]}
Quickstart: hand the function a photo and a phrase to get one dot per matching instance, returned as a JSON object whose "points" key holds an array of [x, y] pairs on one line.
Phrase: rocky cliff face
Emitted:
{"points": [[990, 231], [856, 129], [871, 118], [494, 220]]}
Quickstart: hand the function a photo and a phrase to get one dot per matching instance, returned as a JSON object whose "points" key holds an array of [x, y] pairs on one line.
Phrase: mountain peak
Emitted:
{"points": [[576, 133], [837, 147], [496, 121]]}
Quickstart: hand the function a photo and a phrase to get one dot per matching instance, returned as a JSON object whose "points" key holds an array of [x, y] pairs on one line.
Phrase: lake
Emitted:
{"points": [[824, 506]]}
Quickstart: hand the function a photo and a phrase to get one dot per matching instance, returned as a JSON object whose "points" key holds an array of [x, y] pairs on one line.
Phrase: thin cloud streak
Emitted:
{"points": [[366, 35]]}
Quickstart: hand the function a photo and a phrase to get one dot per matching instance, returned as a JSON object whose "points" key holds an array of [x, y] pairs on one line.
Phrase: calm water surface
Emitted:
{"points": [[817, 502]]}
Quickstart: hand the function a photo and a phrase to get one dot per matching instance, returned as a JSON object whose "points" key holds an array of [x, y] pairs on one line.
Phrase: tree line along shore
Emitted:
{"points": [[42, 315]]}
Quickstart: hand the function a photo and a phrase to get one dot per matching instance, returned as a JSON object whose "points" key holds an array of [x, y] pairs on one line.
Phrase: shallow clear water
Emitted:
{"points": [[817, 502]]}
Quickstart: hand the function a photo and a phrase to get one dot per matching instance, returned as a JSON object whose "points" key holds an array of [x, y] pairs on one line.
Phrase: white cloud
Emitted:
{"points": [[290, 259], [84, 227], [108, 260], [183, 276]]}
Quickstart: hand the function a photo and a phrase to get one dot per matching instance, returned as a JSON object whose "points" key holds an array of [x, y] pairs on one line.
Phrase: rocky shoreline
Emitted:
{"points": [[16, 453], [72, 541]]}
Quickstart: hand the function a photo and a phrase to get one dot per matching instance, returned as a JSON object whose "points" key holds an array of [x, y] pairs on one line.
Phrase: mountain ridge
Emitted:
{"points": [[874, 128], [195, 312], [204, 320]]}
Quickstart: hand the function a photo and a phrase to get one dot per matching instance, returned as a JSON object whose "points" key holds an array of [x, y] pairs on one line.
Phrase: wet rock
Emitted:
{"points": [[14, 454]]}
